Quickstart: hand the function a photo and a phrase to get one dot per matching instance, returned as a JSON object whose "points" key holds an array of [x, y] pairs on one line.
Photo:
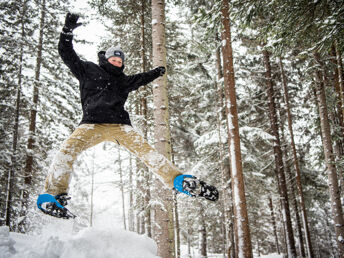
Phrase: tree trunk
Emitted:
{"points": [[144, 94], [328, 231], [202, 233], [131, 225], [138, 198], [338, 87], [279, 158], [224, 165], [176, 225], [163, 215], [340, 79], [176, 215], [338, 113], [241, 224], [337, 212], [295, 206], [273, 221], [92, 189], [33, 113], [11, 173], [296, 164], [188, 240], [122, 188]]}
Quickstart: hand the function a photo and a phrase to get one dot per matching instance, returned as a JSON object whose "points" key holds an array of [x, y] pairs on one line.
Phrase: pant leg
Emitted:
{"points": [[84, 137], [126, 136]]}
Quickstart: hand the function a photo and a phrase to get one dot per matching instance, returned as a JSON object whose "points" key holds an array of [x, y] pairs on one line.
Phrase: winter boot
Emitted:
{"points": [[54, 205], [194, 187]]}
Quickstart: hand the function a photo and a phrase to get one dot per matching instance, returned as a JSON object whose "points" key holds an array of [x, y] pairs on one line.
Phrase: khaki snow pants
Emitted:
{"points": [[88, 135]]}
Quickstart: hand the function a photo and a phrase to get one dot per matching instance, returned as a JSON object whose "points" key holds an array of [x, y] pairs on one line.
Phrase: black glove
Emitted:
{"points": [[161, 70], [71, 22]]}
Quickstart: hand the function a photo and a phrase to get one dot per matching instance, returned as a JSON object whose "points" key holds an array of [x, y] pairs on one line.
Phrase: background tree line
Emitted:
{"points": [[288, 77]]}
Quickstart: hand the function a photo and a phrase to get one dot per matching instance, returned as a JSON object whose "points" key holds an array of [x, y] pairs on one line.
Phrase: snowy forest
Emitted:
{"points": [[254, 102]]}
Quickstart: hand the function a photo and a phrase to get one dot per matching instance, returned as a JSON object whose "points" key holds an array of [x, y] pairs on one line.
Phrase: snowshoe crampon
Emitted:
{"points": [[194, 187], [54, 205]]}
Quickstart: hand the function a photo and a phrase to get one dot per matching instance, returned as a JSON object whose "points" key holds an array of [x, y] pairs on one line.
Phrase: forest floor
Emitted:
{"points": [[59, 241]]}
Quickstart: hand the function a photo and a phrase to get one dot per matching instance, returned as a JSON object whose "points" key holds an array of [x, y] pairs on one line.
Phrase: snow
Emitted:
{"points": [[154, 21], [274, 255], [59, 240]]}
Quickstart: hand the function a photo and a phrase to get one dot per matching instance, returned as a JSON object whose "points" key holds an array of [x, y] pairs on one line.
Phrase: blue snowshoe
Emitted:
{"points": [[54, 205], [194, 187]]}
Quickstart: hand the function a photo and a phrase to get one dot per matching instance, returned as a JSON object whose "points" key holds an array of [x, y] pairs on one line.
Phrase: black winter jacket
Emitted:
{"points": [[104, 88]]}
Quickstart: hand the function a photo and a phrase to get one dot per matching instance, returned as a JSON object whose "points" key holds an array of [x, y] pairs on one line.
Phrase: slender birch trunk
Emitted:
{"points": [[279, 158], [337, 212], [296, 164], [241, 223], [163, 215]]}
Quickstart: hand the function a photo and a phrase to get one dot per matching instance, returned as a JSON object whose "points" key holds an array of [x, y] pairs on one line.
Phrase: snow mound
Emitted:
{"points": [[6, 243], [87, 243]]}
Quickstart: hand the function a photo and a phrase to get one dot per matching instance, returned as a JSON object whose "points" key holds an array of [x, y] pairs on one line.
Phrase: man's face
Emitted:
{"points": [[116, 61]]}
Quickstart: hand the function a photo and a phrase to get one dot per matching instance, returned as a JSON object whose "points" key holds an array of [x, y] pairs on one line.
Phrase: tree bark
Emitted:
{"points": [[176, 225], [295, 206], [273, 221], [131, 196], [337, 212], [11, 173], [122, 188], [296, 164], [224, 165], [241, 223], [163, 215], [144, 94], [202, 234], [92, 189], [340, 79], [279, 158], [33, 113]]}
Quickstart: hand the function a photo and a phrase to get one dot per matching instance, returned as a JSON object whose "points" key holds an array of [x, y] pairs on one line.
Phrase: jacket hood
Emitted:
{"points": [[103, 63]]}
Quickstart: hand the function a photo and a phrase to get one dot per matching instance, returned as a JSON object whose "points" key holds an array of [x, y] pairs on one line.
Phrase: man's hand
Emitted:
{"points": [[161, 70], [71, 22]]}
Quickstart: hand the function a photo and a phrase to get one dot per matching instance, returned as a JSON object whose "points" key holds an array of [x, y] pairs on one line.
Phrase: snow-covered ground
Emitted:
{"points": [[59, 241]]}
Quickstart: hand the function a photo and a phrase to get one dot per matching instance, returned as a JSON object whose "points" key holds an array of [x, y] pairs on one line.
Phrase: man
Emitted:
{"points": [[104, 89]]}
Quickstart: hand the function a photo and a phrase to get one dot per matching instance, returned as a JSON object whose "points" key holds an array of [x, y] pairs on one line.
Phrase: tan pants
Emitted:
{"points": [[88, 135]]}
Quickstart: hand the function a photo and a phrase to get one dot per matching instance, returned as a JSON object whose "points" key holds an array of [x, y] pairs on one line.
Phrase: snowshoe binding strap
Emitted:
{"points": [[192, 185], [54, 205]]}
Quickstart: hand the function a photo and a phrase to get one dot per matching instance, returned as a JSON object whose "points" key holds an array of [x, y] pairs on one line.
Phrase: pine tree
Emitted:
{"points": [[241, 224], [164, 234]]}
